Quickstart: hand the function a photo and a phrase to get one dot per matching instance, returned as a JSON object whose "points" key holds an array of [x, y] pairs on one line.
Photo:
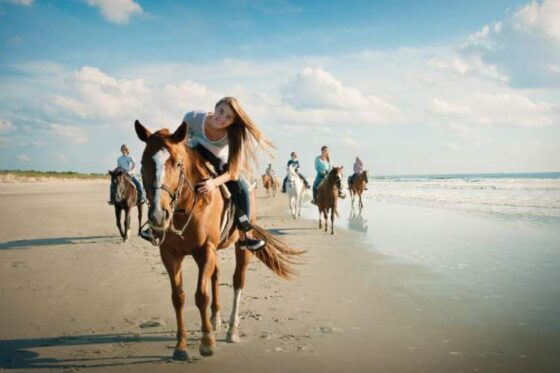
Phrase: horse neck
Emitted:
{"points": [[125, 185], [191, 171]]}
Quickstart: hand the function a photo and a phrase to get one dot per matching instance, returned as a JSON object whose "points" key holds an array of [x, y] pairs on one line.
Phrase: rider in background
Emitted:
{"points": [[358, 169], [128, 163], [293, 161], [270, 172], [323, 166]]}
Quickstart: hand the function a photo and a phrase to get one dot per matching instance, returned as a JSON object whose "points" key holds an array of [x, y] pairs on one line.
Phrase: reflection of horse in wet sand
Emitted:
{"points": [[357, 185], [270, 185], [356, 221], [126, 197], [295, 189], [186, 223], [327, 196]]}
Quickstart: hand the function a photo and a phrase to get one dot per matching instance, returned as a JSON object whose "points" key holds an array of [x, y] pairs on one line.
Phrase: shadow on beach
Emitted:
{"points": [[20, 244], [25, 353]]}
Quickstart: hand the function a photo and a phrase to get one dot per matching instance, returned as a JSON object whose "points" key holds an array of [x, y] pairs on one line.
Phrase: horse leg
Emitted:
{"points": [[320, 226], [206, 262], [127, 224], [118, 211], [140, 208], [242, 259], [216, 318], [173, 266], [360, 198], [325, 215], [332, 219]]}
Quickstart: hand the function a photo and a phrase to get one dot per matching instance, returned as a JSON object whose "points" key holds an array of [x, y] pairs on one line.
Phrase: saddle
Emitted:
{"points": [[228, 214]]}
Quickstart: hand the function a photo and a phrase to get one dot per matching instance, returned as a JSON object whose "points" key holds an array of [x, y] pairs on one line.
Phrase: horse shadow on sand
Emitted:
{"points": [[57, 241], [83, 351]]}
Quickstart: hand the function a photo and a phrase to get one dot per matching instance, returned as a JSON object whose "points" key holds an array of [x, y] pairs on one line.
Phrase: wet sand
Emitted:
{"points": [[73, 297]]}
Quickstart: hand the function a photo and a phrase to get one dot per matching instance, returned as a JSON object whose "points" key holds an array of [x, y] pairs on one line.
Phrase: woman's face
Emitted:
{"points": [[223, 116], [294, 156], [325, 151]]}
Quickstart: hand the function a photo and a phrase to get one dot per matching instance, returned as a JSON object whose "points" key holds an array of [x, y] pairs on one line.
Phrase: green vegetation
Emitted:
{"points": [[53, 174]]}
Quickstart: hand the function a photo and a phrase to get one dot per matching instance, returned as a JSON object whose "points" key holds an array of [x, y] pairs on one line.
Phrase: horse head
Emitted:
{"points": [[292, 174], [163, 171], [335, 175], [118, 183]]}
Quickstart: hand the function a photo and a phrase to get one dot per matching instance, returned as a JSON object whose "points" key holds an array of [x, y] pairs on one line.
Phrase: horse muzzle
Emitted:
{"points": [[159, 218]]}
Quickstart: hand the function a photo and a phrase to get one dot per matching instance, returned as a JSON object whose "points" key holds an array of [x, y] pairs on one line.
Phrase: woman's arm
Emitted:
{"points": [[211, 184]]}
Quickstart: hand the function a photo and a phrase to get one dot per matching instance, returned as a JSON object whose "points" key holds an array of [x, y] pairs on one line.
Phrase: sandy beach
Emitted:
{"points": [[74, 297]]}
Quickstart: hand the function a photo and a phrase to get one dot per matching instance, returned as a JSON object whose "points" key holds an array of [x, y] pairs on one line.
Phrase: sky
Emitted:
{"points": [[411, 87]]}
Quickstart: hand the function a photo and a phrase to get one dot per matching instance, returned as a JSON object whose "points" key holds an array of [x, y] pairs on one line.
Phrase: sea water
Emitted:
{"points": [[492, 241]]}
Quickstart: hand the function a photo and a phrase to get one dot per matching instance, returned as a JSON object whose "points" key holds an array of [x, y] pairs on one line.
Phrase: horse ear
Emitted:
{"points": [[142, 132], [180, 133], [110, 172]]}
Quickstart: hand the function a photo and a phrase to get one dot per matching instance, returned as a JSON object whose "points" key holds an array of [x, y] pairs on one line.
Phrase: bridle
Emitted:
{"points": [[175, 196]]}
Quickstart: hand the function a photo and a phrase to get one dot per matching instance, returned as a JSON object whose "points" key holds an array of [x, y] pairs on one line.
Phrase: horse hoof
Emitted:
{"points": [[180, 355], [206, 350], [232, 338]]}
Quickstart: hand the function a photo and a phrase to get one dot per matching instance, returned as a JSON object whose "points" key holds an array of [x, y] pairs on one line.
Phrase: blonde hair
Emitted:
{"points": [[245, 138]]}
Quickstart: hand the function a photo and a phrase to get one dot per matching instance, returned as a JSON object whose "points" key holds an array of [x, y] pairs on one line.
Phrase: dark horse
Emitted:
{"points": [[356, 185], [186, 223], [126, 197], [327, 196]]}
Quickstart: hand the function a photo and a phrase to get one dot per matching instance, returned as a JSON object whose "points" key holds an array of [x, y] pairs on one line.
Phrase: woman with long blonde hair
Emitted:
{"points": [[228, 138]]}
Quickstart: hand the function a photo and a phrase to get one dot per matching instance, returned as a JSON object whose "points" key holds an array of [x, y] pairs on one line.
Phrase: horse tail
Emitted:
{"points": [[277, 255]]}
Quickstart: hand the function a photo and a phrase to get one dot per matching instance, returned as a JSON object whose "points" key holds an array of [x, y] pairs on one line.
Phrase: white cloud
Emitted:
{"points": [[495, 109], [117, 11], [99, 97], [24, 158], [315, 92], [524, 46], [74, 134], [538, 18]]}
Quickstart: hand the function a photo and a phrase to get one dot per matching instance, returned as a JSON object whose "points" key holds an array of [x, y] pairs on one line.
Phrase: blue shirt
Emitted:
{"points": [[322, 167]]}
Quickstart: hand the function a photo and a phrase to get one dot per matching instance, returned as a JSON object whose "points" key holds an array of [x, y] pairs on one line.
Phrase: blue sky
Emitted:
{"points": [[412, 87]]}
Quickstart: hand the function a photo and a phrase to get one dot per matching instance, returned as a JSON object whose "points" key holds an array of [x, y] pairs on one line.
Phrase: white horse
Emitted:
{"points": [[295, 190]]}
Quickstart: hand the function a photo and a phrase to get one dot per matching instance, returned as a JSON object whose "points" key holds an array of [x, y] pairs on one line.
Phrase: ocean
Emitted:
{"points": [[490, 241]]}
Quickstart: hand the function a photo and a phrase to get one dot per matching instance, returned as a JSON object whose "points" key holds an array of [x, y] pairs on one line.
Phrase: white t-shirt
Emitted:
{"points": [[196, 136], [127, 162]]}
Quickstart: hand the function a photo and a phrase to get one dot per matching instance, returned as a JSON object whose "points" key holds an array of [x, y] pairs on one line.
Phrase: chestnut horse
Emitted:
{"points": [[186, 223], [357, 187], [126, 197], [270, 184], [327, 196]]}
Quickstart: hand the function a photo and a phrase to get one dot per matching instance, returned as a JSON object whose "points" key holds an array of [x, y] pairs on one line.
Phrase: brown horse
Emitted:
{"points": [[126, 197], [357, 186], [186, 223], [327, 196], [270, 185]]}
